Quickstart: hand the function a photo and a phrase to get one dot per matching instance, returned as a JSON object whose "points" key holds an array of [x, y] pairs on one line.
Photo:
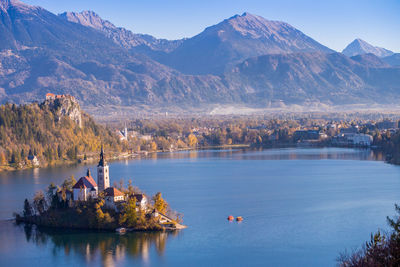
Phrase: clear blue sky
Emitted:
{"points": [[334, 23]]}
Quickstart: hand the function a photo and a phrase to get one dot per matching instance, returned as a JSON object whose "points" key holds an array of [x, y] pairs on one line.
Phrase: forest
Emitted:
{"points": [[37, 130]]}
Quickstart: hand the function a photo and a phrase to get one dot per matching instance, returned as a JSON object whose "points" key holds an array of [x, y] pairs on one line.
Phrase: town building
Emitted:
{"points": [[386, 124], [350, 130], [360, 139], [306, 135], [353, 139], [85, 188]]}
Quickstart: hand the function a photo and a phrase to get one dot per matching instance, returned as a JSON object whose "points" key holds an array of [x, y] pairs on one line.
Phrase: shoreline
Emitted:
{"points": [[115, 157], [83, 229], [126, 155]]}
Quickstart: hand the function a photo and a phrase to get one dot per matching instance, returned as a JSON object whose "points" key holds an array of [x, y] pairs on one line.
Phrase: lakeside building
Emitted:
{"points": [[353, 139], [34, 160], [302, 135], [87, 188]]}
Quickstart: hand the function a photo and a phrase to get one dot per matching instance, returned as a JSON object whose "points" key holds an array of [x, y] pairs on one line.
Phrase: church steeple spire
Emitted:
{"points": [[102, 161]]}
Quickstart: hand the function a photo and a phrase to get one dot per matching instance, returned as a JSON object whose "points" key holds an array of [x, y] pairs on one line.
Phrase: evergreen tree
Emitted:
{"points": [[27, 209], [59, 151], [39, 202], [129, 216], [159, 203]]}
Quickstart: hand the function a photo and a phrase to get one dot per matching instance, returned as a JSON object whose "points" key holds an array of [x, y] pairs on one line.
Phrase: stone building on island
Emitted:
{"points": [[113, 196]]}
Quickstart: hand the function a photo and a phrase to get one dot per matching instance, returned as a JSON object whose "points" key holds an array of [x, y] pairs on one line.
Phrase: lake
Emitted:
{"points": [[300, 207]]}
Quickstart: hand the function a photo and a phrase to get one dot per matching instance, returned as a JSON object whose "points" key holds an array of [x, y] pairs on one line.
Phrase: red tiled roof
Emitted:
{"points": [[85, 182], [112, 192], [50, 94]]}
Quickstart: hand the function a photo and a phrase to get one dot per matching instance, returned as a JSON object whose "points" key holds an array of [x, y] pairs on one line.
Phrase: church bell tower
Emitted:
{"points": [[103, 174]]}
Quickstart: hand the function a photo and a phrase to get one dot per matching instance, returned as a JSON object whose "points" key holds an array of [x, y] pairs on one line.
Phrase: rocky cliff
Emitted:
{"points": [[65, 105]]}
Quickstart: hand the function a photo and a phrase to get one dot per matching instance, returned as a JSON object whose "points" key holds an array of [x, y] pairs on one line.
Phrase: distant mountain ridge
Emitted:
{"points": [[245, 60], [227, 43], [317, 77], [393, 60], [121, 36], [360, 47]]}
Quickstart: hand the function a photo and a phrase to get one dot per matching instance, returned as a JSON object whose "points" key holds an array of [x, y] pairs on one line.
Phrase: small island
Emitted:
{"points": [[85, 204]]}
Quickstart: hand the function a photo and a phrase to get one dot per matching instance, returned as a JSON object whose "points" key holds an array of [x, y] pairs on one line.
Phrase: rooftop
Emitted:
{"points": [[112, 192], [85, 182]]}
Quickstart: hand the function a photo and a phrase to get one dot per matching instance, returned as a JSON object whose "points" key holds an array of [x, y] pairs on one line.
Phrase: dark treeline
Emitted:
{"points": [[382, 249], [390, 144], [36, 130]]}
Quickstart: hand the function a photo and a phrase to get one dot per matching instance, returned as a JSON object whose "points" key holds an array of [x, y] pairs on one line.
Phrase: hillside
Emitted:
{"points": [[54, 131], [83, 55], [69, 58], [317, 77], [120, 36], [393, 60], [242, 36]]}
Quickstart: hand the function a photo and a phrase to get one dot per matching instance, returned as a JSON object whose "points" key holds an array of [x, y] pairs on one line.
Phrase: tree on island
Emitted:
{"points": [[27, 209], [39, 202], [160, 204], [129, 216]]}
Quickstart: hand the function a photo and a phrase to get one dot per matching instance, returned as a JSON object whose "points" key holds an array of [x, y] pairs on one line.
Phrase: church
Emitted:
{"points": [[86, 187]]}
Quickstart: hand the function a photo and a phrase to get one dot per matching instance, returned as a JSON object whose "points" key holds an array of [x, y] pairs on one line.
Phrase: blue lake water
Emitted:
{"points": [[300, 207]]}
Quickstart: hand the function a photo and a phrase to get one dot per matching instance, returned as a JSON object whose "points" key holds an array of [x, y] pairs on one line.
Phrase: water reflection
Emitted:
{"points": [[276, 154], [107, 248]]}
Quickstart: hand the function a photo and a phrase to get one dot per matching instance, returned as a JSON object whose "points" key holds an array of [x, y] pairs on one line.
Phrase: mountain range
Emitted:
{"points": [[245, 59]]}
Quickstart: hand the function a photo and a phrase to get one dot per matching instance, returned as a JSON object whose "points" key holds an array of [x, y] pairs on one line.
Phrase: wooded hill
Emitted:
{"points": [[48, 131]]}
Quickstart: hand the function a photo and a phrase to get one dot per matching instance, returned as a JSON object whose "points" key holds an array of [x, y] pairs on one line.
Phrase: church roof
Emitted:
{"points": [[85, 182], [112, 192]]}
